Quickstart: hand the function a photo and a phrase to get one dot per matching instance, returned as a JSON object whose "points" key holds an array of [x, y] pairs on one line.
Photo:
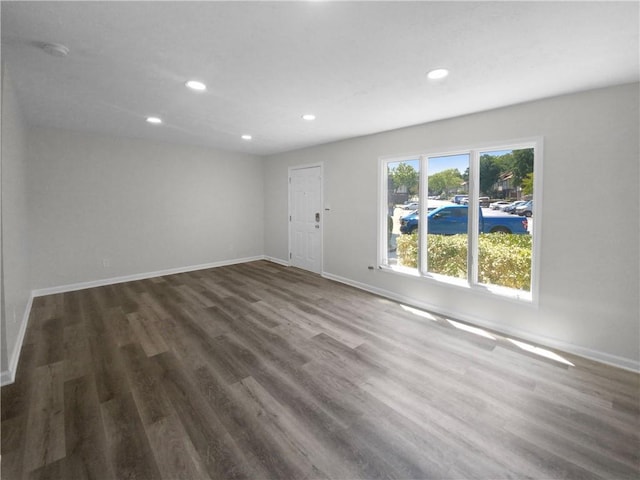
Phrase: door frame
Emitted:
{"points": [[322, 210]]}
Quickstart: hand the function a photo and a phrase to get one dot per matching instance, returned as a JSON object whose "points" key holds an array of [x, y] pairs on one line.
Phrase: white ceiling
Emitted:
{"points": [[360, 67]]}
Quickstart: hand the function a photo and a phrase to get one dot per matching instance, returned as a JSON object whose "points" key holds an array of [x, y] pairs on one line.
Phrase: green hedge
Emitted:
{"points": [[503, 259]]}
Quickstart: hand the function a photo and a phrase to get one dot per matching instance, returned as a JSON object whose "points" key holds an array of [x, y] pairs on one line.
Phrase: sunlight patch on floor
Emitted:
{"points": [[540, 351], [419, 313], [474, 330]]}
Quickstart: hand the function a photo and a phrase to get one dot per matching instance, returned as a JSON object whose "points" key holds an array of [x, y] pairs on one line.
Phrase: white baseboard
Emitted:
{"points": [[141, 276], [279, 261], [602, 357], [9, 376]]}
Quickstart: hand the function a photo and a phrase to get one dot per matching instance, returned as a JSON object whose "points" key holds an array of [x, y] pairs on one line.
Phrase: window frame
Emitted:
{"points": [[471, 282]]}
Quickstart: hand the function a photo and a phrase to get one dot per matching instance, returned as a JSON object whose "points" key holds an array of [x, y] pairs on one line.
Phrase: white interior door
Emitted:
{"points": [[305, 210]]}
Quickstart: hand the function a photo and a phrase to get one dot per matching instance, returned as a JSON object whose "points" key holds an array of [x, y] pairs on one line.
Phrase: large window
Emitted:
{"points": [[479, 210]]}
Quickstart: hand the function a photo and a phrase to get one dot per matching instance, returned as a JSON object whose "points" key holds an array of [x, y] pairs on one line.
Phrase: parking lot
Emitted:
{"points": [[399, 211]]}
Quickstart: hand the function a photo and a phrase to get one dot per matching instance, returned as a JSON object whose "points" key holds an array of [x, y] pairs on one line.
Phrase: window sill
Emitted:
{"points": [[493, 291]]}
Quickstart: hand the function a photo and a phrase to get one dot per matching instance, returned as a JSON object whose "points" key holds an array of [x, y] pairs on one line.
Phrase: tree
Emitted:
{"points": [[490, 170], [519, 162], [527, 184], [407, 176], [445, 181], [521, 165]]}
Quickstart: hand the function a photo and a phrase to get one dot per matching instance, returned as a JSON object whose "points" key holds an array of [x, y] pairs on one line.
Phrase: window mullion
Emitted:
{"points": [[423, 210], [474, 217], [383, 212]]}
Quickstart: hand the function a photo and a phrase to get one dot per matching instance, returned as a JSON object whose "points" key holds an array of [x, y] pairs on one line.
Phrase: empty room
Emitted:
{"points": [[320, 240]]}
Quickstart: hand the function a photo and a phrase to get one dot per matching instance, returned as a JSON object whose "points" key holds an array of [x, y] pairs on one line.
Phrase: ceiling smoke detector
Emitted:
{"points": [[55, 49]]}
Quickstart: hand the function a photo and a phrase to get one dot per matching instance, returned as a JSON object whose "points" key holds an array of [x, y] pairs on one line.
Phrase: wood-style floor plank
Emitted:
{"points": [[173, 450], [258, 371], [45, 433], [128, 449], [85, 440]]}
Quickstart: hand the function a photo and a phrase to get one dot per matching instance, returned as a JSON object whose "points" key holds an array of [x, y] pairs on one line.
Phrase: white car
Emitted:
{"points": [[499, 205], [410, 206]]}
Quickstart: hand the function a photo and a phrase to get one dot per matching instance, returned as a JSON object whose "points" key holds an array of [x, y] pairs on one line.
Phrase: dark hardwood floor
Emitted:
{"points": [[259, 371]]}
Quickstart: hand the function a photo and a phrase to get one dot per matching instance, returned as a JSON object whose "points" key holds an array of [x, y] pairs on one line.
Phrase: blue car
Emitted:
{"points": [[452, 220], [409, 223]]}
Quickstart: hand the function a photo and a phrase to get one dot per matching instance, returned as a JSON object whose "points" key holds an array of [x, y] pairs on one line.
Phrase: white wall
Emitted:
{"points": [[15, 255], [588, 297], [141, 206], [4, 359]]}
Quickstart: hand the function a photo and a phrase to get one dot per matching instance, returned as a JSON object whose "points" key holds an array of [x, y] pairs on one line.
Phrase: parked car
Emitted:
{"points": [[499, 205], [525, 210], [410, 206], [407, 215], [511, 208], [458, 198], [414, 213], [452, 219], [483, 201]]}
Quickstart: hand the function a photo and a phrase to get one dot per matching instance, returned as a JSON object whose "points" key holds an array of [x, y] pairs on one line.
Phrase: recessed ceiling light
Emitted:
{"points": [[196, 85], [55, 49], [154, 120], [438, 73], [308, 117], [246, 137]]}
